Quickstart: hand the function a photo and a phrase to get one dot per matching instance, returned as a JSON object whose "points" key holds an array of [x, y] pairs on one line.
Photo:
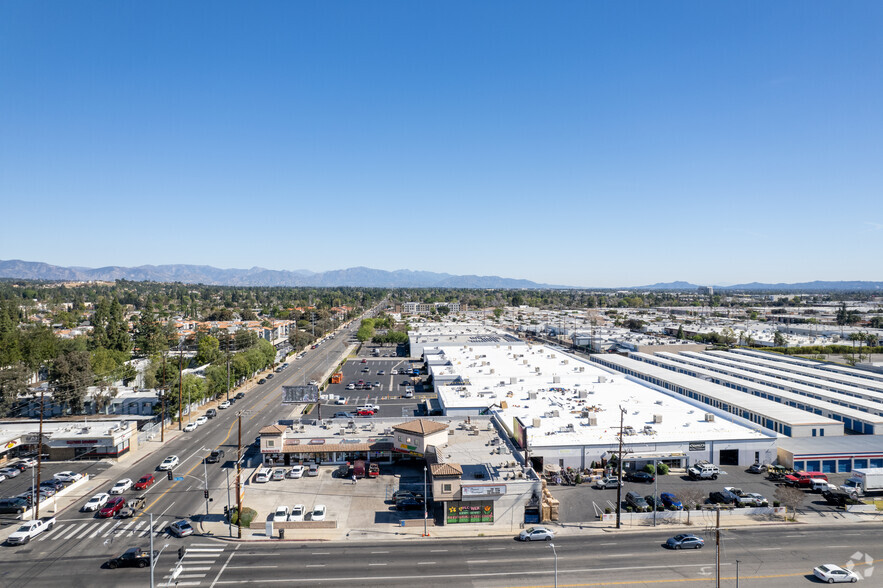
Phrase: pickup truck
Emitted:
{"points": [[706, 471], [29, 530]]}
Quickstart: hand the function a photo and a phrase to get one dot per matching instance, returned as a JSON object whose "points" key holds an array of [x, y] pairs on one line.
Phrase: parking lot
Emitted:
{"points": [[580, 503], [358, 505], [387, 389]]}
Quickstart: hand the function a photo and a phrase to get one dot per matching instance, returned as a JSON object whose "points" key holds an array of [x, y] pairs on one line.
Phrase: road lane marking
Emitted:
{"points": [[425, 563], [321, 553], [315, 565], [379, 552], [84, 533], [99, 529], [376, 564], [205, 550], [74, 530], [438, 551], [226, 563]]}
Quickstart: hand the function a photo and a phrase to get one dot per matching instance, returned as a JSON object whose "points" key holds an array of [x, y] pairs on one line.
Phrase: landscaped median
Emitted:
{"points": [[51, 502]]}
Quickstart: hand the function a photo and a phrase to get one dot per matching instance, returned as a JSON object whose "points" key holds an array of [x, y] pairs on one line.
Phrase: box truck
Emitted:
{"points": [[863, 481]]}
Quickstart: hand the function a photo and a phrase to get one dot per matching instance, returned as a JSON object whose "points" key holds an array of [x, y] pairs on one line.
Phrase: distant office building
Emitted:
{"points": [[707, 290]]}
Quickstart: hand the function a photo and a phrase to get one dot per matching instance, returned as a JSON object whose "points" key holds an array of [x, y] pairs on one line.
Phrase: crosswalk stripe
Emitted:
{"points": [[184, 576], [159, 528], [49, 532], [137, 527], [73, 531], [199, 562], [126, 528], [205, 550], [203, 544], [98, 529], [84, 533]]}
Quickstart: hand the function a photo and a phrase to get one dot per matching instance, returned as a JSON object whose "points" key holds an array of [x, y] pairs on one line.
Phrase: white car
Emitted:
{"points": [[281, 514], [190, 427], [394, 372], [10, 472], [831, 573], [121, 486], [296, 472], [340, 400], [169, 463], [201, 420], [68, 476], [97, 502], [297, 513], [319, 512], [536, 534], [225, 404]]}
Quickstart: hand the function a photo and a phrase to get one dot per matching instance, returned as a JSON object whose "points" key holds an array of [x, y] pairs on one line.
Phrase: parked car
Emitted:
{"points": [[669, 500], [13, 505], [97, 502], [536, 534], [380, 372], [145, 482], [409, 503], [190, 427], [10, 472], [296, 472], [224, 405], [201, 420], [278, 474], [399, 494], [281, 514], [836, 498], [169, 463], [722, 497], [319, 512], [263, 475], [636, 501], [654, 502], [134, 557], [239, 396], [262, 381], [312, 469], [753, 499], [113, 506], [685, 541], [640, 476], [68, 476], [341, 415], [27, 462], [181, 528], [211, 413], [756, 468], [603, 483], [409, 393], [831, 573], [297, 513], [364, 361], [269, 376]]}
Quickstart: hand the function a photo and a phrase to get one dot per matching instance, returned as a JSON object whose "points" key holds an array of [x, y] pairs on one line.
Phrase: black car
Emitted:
{"points": [[13, 505], [211, 413], [215, 456], [722, 497], [755, 468], [400, 494], [240, 396], [269, 376], [636, 501], [836, 498], [409, 504], [640, 476], [133, 557], [262, 381]]}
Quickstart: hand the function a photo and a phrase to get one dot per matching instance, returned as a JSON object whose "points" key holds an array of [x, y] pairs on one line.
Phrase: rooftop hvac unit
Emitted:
{"points": [[593, 420], [537, 369], [602, 379], [657, 418], [556, 379], [709, 417], [582, 368], [523, 362], [513, 380], [536, 423], [532, 395], [555, 413], [583, 394], [492, 370], [566, 361]]}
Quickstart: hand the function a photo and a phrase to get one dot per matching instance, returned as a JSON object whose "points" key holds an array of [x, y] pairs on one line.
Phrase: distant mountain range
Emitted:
{"points": [[257, 276], [817, 286]]}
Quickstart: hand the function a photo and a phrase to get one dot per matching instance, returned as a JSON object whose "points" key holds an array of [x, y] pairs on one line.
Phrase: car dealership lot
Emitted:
{"points": [[389, 394]]}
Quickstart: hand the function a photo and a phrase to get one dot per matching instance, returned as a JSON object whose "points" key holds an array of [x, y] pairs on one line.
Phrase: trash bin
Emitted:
{"points": [[282, 533], [401, 523]]}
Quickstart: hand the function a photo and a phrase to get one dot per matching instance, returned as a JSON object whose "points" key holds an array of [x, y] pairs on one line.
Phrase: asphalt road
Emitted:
{"points": [[82, 542], [776, 557]]}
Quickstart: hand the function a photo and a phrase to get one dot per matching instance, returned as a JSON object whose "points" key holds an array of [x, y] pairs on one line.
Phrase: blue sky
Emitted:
{"points": [[581, 143]]}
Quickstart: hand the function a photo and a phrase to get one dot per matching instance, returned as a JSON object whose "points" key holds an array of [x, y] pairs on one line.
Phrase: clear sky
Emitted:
{"points": [[584, 143]]}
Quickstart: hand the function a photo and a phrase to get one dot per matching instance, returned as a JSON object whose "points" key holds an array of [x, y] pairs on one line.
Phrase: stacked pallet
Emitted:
{"points": [[550, 505]]}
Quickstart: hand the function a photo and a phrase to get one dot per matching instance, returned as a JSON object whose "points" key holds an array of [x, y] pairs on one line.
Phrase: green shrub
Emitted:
{"points": [[776, 503], [650, 469], [662, 469], [608, 510], [248, 515]]}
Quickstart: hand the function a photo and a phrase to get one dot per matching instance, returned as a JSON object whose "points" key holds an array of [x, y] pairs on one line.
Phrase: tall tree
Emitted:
{"points": [[13, 383], [70, 376], [148, 333]]}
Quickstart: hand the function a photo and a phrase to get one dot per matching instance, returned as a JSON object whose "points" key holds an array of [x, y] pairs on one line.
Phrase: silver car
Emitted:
{"points": [[536, 534]]}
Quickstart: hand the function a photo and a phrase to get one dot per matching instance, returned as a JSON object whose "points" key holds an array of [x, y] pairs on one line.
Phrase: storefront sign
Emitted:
{"points": [[12, 444], [697, 446], [470, 512], [475, 492]]}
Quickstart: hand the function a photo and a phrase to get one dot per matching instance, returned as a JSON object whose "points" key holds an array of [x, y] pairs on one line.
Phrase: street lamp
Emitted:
{"points": [[555, 553]]}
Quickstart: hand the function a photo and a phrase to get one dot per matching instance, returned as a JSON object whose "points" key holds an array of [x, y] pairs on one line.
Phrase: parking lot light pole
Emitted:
{"points": [[555, 553]]}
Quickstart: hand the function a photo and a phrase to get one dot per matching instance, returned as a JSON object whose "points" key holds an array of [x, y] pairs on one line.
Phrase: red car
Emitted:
{"points": [[113, 506], [365, 412], [145, 482]]}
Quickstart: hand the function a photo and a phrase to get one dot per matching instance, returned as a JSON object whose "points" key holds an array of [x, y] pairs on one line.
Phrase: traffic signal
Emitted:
{"points": [[205, 493], [181, 552], [170, 474], [226, 512]]}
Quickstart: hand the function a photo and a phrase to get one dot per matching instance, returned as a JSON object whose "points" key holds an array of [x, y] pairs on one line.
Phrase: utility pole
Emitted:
{"points": [[229, 514], [36, 499], [162, 424], [180, 386], [228, 366], [619, 468], [238, 482], [717, 540]]}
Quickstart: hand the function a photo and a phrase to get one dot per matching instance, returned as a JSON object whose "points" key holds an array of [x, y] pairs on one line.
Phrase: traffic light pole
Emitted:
{"points": [[238, 481], [205, 473]]}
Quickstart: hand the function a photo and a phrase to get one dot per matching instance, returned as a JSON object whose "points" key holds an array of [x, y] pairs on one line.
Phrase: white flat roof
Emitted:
{"points": [[547, 380]]}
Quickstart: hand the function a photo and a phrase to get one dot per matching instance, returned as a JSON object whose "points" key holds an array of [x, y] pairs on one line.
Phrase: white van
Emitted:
{"points": [[263, 475], [821, 486]]}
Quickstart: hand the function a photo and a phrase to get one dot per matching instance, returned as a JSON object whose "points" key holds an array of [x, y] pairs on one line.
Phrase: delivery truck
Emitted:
{"points": [[864, 481]]}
